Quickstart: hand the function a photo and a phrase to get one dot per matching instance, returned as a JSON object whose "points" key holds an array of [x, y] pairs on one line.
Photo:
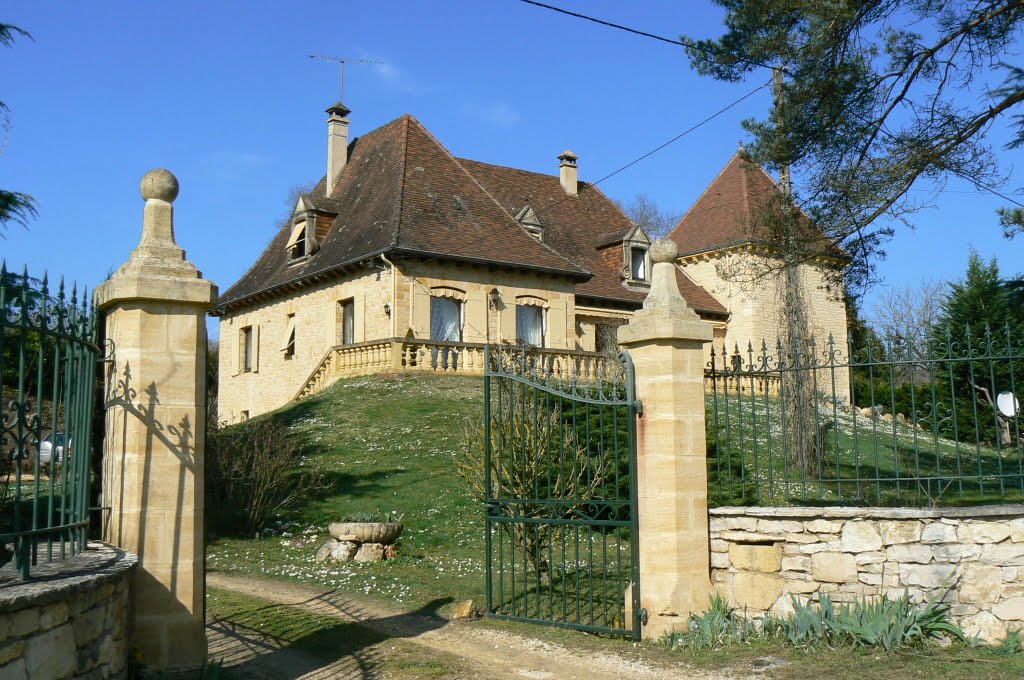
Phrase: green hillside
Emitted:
{"points": [[386, 443]]}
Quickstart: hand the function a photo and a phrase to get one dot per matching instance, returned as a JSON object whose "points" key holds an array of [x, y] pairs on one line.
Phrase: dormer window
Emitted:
{"points": [[638, 263], [302, 241], [636, 266], [529, 221]]}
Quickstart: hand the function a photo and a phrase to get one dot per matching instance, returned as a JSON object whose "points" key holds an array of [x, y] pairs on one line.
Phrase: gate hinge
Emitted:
{"points": [[639, 406], [643, 616]]}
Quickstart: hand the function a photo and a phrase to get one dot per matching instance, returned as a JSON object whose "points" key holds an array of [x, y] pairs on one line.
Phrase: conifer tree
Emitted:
{"points": [[15, 206]]}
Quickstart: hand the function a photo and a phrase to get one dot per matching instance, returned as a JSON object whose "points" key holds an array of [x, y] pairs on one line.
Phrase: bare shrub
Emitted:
{"points": [[253, 470], [539, 459]]}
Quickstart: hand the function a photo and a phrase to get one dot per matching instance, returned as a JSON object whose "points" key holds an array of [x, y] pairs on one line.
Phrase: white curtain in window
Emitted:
{"points": [[348, 322], [530, 324], [639, 261], [445, 322]]}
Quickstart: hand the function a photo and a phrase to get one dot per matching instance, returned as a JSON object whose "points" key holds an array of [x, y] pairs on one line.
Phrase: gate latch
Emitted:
{"points": [[639, 406], [643, 616]]}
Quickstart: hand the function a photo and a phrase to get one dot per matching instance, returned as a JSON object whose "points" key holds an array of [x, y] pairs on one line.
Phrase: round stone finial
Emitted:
{"points": [[664, 250], [160, 184]]}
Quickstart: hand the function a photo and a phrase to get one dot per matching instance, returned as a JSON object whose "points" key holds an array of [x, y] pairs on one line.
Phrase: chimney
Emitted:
{"points": [[568, 173], [337, 143]]}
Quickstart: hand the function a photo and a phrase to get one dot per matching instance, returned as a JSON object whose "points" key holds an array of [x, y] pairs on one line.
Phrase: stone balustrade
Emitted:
{"points": [[400, 355]]}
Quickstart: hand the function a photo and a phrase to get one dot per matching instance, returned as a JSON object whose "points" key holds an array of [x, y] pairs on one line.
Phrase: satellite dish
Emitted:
{"points": [[1008, 404]]}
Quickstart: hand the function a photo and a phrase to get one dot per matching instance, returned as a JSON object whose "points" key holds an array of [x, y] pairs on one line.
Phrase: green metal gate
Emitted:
{"points": [[560, 490], [48, 356]]}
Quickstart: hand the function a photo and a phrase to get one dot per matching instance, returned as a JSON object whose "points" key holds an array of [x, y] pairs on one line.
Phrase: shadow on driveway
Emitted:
{"points": [[326, 636]]}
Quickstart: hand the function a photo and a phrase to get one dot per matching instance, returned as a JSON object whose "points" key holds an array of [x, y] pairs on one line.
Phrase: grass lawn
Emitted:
{"points": [[387, 444], [863, 461]]}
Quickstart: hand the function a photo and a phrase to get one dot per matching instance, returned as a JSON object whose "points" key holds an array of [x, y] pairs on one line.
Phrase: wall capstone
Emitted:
{"points": [[70, 621]]}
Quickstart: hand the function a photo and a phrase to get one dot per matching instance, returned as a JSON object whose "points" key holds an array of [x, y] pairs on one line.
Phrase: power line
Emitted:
{"points": [[658, 148], [606, 23], [633, 162], [634, 31], [977, 182]]}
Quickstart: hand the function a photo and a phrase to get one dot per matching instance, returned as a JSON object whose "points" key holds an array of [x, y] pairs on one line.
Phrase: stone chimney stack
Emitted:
{"points": [[337, 143], [568, 173]]}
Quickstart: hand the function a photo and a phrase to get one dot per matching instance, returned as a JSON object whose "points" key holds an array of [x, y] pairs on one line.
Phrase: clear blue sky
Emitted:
{"points": [[222, 94]]}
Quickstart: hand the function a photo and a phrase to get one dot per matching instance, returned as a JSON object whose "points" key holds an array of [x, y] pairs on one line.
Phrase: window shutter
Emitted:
{"points": [[289, 333], [556, 324], [255, 348], [475, 308], [297, 232], [507, 323], [236, 350], [420, 310], [359, 319]]}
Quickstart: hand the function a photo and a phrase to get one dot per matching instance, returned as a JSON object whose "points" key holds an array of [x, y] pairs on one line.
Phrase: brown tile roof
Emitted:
{"points": [[584, 228], [728, 211], [402, 192]]}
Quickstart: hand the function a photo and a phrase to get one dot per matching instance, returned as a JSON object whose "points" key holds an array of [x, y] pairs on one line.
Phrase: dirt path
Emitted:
{"points": [[491, 654]]}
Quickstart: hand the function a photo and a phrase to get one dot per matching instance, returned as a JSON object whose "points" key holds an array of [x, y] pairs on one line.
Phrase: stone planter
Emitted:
{"points": [[366, 532]]}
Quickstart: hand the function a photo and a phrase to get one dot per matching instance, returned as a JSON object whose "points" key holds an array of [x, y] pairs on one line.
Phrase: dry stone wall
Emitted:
{"points": [[68, 622], [973, 558]]}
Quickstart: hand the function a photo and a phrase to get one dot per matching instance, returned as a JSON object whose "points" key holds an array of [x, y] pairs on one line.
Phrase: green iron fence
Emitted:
{"points": [[560, 491], [48, 355], [931, 422]]}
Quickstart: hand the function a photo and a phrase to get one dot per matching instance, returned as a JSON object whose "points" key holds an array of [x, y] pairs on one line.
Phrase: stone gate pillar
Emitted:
{"points": [[666, 341], [155, 398]]}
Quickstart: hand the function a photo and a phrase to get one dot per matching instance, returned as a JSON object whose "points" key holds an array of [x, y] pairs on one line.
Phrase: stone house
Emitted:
{"points": [[725, 248], [406, 258]]}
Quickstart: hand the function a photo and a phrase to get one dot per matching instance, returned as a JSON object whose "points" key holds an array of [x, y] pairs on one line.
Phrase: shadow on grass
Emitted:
{"points": [[327, 636]]}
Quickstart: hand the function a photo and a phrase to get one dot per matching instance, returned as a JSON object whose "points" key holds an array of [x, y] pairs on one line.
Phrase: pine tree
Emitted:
{"points": [[980, 321], [15, 206]]}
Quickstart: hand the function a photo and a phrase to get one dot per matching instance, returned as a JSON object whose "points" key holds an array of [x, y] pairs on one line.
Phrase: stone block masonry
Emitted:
{"points": [[971, 558], [70, 621]]}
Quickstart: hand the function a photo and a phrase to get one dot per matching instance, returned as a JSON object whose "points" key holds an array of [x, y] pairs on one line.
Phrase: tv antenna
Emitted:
{"points": [[342, 61]]}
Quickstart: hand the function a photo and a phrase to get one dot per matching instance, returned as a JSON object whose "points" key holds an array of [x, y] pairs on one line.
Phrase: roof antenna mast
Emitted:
{"points": [[342, 61]]}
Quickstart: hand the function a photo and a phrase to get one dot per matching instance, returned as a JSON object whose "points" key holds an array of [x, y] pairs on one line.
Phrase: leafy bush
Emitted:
{"points": [[879, 622], [253, 470]]}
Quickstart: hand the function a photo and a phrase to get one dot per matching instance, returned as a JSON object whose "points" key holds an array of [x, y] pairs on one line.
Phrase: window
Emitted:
{"points": [[445, 319], [348, 321], [244, 416], [529, 220], [246, 349], [530, 324], [297, 241], [638, 264], [288, 345]]}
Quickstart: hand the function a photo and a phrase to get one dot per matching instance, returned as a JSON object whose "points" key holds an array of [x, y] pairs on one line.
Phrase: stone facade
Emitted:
{"points": [[70, 621], [404, 291], [972, 558], [737, 279], [754, 301]]}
